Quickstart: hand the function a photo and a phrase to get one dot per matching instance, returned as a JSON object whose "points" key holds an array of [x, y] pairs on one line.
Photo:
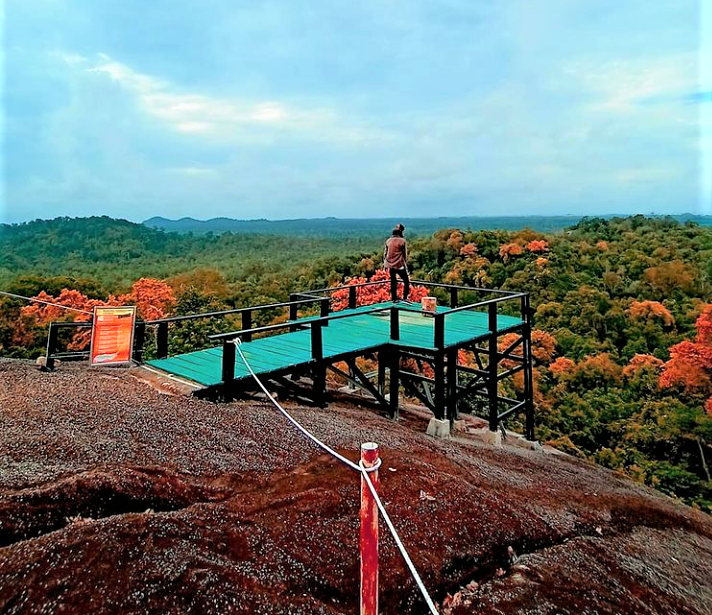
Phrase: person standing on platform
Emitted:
{"points": [[395, 258]]}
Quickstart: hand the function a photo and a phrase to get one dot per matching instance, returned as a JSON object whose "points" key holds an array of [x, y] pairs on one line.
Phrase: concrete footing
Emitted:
{"points": [[438, 428], [492, 438]]}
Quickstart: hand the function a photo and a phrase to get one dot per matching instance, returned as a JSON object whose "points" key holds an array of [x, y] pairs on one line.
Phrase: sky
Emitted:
{"points": [[286, 109]]}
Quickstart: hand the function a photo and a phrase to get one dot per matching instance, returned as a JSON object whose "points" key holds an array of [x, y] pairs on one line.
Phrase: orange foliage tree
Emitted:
{"points": [[508, 250], [651, 310], [153, 298], [562, 368], [642, 362], [598, 371], [690, 364], [368, 295], [538, 245]]}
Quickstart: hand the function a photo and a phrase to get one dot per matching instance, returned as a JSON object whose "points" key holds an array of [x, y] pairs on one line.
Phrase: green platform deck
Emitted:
{"points": [[342, 337]]}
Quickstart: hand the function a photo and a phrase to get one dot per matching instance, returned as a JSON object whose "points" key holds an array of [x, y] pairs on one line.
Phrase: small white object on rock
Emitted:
{"points": [[438, 428]]}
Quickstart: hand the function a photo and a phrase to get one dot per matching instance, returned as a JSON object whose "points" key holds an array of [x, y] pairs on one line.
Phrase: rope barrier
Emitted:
{"points": [[357, 468], [65, 307]]}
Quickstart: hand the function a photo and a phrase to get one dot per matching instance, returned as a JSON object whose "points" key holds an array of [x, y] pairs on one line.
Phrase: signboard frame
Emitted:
{"points": [[127, 309]]}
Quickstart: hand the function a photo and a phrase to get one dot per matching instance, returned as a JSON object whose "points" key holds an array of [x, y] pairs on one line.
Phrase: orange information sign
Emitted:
{"points": [[112, 335]]}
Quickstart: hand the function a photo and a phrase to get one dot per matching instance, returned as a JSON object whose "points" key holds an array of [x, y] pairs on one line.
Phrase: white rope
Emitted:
{"points": [[65, 307], [356, 467]]}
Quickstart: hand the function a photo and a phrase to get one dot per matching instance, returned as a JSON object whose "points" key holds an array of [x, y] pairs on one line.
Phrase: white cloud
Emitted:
{"points": [[622, 86], [225, 118]]}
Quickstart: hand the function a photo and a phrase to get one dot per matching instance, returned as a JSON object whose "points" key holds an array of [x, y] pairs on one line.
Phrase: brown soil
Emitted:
{"points": [[118, 498]]}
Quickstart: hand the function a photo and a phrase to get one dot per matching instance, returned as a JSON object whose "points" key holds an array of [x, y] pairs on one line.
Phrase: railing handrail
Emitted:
{"points": [[308, 322], [487, 302], [461, 287], [412, 281], [241, 310], [341, 287], [73, 323]]}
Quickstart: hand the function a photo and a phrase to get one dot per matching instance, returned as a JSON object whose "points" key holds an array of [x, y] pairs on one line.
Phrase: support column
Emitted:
{"points": [[492, 369], [439, 368], [528, 369], [228, 368], [382, 359], [318, 368], [394, 388], [452, 413]]}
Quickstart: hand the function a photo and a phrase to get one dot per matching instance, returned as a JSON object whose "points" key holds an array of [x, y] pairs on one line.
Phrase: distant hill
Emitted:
{"points": [[371, 226]]}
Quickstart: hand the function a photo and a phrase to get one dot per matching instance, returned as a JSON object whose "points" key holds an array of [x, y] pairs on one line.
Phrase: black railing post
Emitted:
{"points": [[51, 346], [246, 317], [293, 312], [352, 297], [139, 339], [162, 340], [453, 297], [439, 331], [318, 369], [324, 307], [228, 367], [317, 350], [395, 323], [492, 369]]}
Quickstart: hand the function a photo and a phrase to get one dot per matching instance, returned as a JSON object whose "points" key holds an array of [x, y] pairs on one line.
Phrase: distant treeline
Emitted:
{"points": [[378, 226]]}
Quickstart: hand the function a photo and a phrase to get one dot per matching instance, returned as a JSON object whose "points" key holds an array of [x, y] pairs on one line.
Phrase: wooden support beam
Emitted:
{"points": [[361, 380], [394, 384], [528, 375], [318, 368], [492, 368], [440, 410], [413, 388], [452, 397], [352, 297], [382, 360]]}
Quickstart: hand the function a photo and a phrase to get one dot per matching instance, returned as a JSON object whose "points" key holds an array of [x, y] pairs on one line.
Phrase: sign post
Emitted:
{"points": [[369, 533], [112, 335]]}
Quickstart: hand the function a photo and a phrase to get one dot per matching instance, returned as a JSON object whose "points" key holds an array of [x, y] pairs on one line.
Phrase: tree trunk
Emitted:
{"points": [[704, 463]]}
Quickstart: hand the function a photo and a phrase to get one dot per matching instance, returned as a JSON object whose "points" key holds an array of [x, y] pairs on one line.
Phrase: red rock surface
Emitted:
{"points": [[116, 498]]}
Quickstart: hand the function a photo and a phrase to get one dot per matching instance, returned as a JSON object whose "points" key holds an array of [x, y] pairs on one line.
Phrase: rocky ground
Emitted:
{"points": [[117, 498]]}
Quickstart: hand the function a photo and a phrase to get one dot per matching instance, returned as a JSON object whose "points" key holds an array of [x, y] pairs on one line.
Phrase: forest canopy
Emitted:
{"points": [[623, 312]]}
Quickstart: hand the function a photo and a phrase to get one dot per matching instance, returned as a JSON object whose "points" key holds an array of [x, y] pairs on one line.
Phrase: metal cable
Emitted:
{"points": [[65, 307], [356, 467]]}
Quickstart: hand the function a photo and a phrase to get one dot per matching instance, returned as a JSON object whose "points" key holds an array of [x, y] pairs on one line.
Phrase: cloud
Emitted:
{"points": [[225, 118], [622, 86]]}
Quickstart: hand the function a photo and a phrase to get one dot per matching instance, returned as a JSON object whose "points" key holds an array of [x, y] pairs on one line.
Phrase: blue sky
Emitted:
{"points": [[290, 109]]}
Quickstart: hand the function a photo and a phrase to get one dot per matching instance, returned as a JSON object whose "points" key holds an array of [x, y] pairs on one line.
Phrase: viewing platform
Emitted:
{"points": [[416, 351], [347, 333]]}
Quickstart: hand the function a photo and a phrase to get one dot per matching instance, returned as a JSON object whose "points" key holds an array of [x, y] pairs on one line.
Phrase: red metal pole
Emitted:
{"points": [[369, 533]]}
